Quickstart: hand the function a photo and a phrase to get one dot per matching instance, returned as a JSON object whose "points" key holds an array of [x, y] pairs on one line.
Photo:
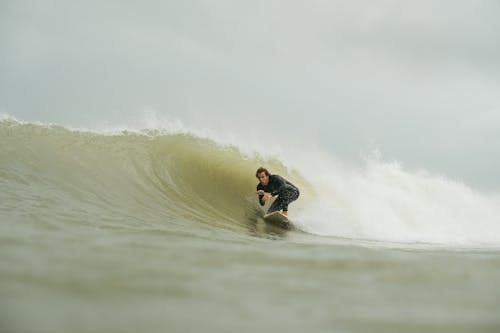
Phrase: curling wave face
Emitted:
{"points": [[135, 180]]}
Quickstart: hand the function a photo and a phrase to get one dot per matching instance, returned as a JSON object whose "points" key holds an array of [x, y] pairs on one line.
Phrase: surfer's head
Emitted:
{"points": [[262, 175]]}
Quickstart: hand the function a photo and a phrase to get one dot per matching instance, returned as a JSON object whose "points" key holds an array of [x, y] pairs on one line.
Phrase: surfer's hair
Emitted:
{"points": [[261, 170]]}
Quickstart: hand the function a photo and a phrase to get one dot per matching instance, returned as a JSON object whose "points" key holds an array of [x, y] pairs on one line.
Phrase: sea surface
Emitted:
{"points": [[160, 231]]}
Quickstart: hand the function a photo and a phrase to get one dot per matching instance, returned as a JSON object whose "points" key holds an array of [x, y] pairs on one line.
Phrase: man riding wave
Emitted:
{"points": [[272, 185]]}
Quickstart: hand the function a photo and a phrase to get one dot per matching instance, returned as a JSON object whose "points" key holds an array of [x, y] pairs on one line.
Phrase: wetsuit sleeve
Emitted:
{"points": [[262, 203]]}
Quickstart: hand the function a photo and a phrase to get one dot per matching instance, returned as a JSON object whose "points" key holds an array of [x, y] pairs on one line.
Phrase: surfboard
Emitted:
{"points": [[277, 218]]}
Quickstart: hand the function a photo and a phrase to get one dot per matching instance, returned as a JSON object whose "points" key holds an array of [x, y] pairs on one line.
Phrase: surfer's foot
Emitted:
{"points": [[285, 213]]}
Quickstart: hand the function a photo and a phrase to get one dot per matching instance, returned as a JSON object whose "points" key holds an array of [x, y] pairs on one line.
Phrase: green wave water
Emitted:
{"points": [[127, 180]]}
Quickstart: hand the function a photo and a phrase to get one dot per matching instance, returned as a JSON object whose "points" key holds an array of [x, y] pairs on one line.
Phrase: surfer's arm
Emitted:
{"points": [[260, 193], [260, 200], [263, 197]]}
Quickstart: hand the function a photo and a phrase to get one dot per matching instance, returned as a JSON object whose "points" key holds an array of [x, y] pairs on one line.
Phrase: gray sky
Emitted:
{"points": [[419, 80]]}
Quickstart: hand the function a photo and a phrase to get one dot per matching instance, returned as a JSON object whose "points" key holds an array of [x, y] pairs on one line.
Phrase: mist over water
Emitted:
{"points": [[383, 201]]}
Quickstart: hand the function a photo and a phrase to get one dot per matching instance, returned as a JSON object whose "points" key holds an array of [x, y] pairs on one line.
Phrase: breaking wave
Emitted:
{"points": [[151, 178]]}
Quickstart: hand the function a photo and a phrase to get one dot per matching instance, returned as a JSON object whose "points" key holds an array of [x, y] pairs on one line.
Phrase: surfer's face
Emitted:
{"points": [[264, 179]]}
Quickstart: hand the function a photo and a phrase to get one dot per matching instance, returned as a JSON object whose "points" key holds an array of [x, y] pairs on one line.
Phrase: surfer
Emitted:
{"points": [[272, 185]]}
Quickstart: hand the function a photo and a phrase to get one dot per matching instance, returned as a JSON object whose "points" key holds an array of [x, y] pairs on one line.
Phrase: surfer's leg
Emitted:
{"points": [[281, 203], [276, 206], [287, 198]]}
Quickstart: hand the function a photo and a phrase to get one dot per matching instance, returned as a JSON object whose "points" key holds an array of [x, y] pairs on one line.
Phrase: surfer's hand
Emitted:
{"points": [[266, 197], [260, 192]]}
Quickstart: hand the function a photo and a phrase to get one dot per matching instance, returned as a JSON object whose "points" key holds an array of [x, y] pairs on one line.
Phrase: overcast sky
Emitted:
{"points": [[419, 80]]}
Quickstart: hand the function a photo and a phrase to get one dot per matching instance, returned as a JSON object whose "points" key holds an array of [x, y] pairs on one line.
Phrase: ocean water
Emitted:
{"points": [[159, 230]]}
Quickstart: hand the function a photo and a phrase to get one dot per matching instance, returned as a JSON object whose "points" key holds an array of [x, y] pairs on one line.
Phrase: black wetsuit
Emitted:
{"points": [[286, 191]]}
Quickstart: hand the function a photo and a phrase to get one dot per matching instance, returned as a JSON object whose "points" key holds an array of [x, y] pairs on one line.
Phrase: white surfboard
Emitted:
{"points": [[277, 218]]}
